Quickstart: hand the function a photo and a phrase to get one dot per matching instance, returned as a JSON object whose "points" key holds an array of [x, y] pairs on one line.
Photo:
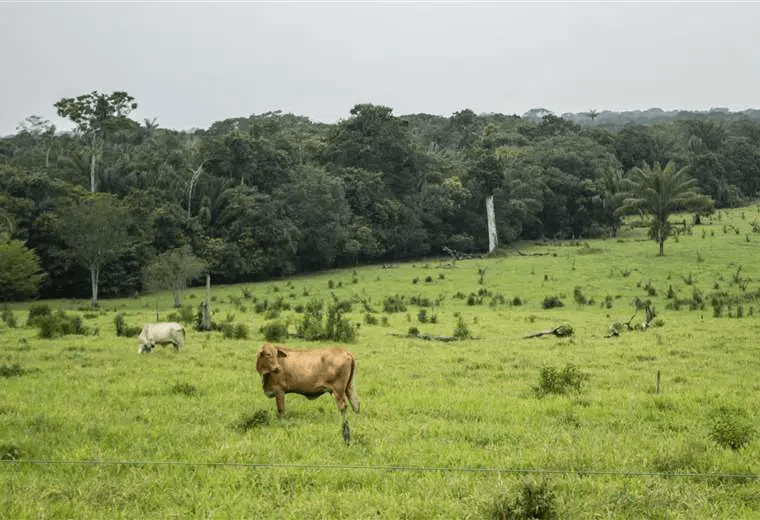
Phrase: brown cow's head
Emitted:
{"points": [[267, 359]]}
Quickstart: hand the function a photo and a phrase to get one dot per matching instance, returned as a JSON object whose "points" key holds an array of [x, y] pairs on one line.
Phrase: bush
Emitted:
{"points": [[8, 317], [275, 331], [580, 299], [534, 501], [310, 327], [247, 422], [731, 427], [553, 381], [461, 331], [10, 451], [37, 311], [551, 302], [122, 329], [11, 370], [185, 389], [339, 328], [233, 331], [185, 315], [59, 324], [20, 272], [394, 304]]}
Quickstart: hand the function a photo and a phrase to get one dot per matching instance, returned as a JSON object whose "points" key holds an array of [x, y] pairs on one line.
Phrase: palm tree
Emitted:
{"points": [[658, 192]]}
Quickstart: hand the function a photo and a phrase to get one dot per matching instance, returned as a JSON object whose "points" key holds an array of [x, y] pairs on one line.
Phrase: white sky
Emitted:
{"points": [[190, 64]]}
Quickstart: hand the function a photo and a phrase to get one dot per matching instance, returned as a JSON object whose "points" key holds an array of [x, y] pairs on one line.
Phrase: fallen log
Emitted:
{"points": [[561, 331], [428, 337]]}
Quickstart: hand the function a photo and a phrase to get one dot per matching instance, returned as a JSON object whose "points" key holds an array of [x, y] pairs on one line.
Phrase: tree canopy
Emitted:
{"points": [[659, 192], [276, 194]]}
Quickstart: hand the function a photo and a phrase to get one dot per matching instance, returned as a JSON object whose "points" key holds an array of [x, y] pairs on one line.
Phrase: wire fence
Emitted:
{"points": [[384, 468]]}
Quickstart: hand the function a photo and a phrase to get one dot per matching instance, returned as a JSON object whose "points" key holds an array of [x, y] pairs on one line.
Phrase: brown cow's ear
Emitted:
{"points": [[281, 353]]}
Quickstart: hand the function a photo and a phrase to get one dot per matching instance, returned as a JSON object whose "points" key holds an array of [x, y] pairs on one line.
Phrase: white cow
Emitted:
{"points": [[162, 334]]}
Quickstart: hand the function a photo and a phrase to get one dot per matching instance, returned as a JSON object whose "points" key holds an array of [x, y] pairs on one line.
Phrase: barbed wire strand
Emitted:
{"points": [[390, 468]]}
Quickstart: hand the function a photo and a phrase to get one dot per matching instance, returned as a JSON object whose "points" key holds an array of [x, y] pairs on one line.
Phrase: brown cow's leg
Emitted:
{"points": [[353, 397], [280, 398], [346, 430], [340, 400]]}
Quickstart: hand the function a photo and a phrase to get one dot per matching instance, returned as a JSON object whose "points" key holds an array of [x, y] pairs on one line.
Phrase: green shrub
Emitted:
{"points": [[272, 314], [310, 327], [275, 331], [10, 451], [421, 301], [580, 299], [185, 389], [59, 324], [336, 328], [8, 317], [233, 331], [461, 331], [255, 420], [731, 427], [122, 329], [553, 381], [534, 501], [393, 304], [20, 271], [551, 302], [339, 328], [185, 315], [11, 370], [37, 311], [370, 319]]}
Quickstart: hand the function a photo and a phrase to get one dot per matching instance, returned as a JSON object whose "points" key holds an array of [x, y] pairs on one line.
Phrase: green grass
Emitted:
{"points": [[191, 434]]}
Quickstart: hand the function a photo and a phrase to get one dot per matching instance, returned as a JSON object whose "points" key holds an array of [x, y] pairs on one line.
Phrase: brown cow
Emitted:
{"points": [[310, 373]]}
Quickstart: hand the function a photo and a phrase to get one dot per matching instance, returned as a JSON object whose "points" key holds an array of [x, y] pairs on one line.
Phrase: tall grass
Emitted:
{"points": [[190, 434]]}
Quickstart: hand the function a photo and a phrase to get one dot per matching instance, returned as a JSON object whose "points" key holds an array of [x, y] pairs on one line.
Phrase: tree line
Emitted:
{"points": [[102, 209]]}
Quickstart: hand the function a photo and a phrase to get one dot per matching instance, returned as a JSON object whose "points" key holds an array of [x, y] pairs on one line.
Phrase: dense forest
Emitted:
{"points": [[274, 194]]}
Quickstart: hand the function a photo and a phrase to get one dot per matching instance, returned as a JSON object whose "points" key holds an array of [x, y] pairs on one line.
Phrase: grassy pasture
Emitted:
{"points": [[91, 429]]}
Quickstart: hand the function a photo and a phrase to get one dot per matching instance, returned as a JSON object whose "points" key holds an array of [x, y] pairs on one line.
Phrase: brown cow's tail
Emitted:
{"points": [[353, 397]]}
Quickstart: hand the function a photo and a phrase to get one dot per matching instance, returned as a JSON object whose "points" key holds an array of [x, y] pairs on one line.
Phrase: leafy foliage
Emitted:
{"points": [[174, 270], [7, 315], [274, 331], [20, 272], [122, 329], [533, 501], [275, 194], [659, 192], [731, 427], [552, 381], [97, 229], [336, 328]]}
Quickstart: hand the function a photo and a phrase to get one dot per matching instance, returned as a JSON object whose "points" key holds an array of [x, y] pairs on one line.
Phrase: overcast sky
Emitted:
{"points": [[190, 64]]}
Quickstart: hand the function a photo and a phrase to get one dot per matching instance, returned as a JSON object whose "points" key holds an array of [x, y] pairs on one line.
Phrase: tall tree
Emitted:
{"points": [[42, 130], [173, 270], [96, 116], [97, 230], [658, 192], [20, 272], [374, 139]]}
